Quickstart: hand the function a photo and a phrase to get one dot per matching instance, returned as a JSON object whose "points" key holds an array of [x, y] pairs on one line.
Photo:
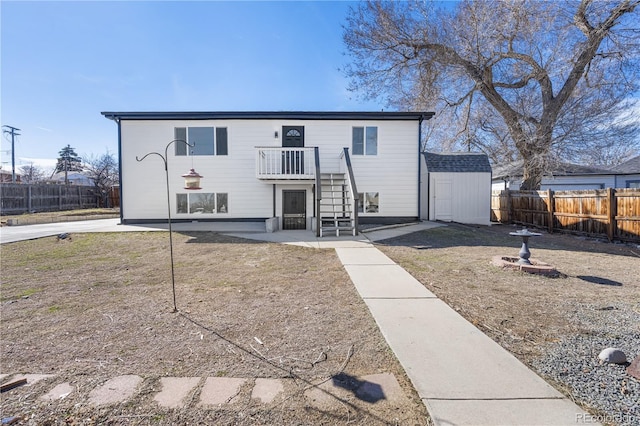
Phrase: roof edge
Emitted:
{"points": [[267, 115]]}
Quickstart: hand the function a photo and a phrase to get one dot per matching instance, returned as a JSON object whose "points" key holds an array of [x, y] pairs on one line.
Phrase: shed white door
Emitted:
{"points": [[443, 199]]}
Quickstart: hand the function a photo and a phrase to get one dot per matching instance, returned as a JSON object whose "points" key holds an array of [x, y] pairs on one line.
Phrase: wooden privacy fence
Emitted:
{"points": [[20, 198], [614, 213]]}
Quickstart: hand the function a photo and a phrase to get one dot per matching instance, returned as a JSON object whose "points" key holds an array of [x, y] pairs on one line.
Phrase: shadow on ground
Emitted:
{"points": [[459, 235]]}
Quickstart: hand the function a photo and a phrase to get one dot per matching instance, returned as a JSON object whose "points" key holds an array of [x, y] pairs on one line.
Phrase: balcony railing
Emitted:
{"points": [[285, 163]]}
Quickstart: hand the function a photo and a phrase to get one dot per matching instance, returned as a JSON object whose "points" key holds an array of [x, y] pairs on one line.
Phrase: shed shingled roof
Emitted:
{"points": [[457, 162]]}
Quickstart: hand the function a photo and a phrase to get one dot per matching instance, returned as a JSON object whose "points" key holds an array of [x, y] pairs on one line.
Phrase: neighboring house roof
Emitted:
{"points": [[457, 162], [266, 115], [515, 169], [630, 166], [76, 178], [7, 176]]}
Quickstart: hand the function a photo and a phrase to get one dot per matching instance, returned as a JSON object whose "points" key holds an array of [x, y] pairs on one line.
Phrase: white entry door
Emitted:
{"points": [[443, 200]]}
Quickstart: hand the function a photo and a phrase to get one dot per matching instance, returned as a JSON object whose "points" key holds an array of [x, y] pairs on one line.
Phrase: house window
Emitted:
{"points": [[202, 203], [205, 140], [633, 184], [365, 141], [369, 202]]}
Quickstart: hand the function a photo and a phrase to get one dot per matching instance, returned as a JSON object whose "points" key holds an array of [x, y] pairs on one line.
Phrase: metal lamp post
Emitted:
{"points": [[192, 181]]}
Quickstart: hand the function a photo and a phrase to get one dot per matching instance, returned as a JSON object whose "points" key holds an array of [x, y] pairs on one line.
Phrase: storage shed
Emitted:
{"points": [[456, 187]]}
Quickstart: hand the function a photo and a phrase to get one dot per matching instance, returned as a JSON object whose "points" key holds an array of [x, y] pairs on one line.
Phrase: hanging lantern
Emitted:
{"points": [[192, 180]]}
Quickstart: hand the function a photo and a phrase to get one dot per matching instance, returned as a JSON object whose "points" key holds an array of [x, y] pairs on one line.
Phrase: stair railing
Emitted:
{"points": [[316, 154], [352, 188]]}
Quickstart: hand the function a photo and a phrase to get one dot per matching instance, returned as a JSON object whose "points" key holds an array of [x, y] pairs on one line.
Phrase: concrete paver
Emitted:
{"points": [[220, 390], [375, 387], [267, 390], [60, 391], [175, 390], [115, 390], [326, 396], [32, 379]]}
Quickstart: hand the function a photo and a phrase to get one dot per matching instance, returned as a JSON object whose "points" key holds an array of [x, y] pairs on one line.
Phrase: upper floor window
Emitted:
{"points": [[205, 140], [365, 140]]}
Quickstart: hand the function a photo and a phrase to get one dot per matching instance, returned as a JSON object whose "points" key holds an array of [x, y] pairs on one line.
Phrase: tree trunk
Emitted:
{"points": [[531, 175]]}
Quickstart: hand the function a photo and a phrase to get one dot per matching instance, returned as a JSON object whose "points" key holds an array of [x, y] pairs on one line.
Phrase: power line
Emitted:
{"points": [[13, 131]]}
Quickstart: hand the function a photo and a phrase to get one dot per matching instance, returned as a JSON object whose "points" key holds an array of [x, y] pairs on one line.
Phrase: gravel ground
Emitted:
{"points": [[573, 362]]}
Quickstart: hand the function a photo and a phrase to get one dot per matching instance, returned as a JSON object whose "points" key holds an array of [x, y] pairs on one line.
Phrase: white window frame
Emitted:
{"points": [[216, 197], [365, 147], [363, 202], [182, 149]]}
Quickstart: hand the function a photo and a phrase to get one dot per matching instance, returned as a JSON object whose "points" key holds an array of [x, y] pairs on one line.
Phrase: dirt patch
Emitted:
{"points": [[100, 306], [520, 311]]}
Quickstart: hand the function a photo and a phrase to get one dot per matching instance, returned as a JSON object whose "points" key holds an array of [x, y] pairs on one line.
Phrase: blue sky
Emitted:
{"points": [[64, 62]]}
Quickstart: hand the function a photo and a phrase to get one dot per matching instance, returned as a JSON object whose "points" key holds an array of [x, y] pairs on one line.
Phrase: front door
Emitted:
{"points": [[294, 209], [292, 162]]}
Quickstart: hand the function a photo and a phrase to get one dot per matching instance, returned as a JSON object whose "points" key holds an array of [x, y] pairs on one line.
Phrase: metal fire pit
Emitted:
{"points": [[525, 254]]}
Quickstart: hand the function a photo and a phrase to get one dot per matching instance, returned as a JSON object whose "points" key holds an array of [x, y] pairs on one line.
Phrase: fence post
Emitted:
{"points": [[59, 197], [29, 204], [551, 208], [612, 225], [508, 201], [80, 197]]}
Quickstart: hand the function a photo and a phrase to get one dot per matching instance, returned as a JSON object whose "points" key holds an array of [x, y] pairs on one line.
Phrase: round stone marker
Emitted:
{"points": [[613, 356]]}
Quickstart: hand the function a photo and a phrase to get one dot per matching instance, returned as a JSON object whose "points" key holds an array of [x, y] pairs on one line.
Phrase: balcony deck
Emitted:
{"points": [[279, 163]]}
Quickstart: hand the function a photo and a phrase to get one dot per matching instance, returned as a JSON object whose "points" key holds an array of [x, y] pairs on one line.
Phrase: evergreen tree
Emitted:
{"points": [[68, 161]]}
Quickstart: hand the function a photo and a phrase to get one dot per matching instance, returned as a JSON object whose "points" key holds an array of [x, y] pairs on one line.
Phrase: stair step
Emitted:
{"points": [[337, 228]]}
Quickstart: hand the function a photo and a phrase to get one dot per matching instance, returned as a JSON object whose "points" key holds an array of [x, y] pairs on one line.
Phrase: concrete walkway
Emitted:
{"points": [[462, 376]]}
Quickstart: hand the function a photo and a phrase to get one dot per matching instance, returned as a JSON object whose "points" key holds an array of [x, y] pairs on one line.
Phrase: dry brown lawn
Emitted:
{"points": [[61, 216], [100, 306]]}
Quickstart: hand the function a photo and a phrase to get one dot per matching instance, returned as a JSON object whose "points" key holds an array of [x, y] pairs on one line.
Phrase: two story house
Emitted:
{"points": [[324, 171]]}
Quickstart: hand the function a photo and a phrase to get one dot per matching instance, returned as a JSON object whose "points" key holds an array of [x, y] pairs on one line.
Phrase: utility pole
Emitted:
{"points": [[13, 131]]}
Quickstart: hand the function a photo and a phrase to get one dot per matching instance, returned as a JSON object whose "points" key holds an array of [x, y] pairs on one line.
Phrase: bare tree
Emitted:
{"points": [[535, 80], [32, 174], [103, 171]]}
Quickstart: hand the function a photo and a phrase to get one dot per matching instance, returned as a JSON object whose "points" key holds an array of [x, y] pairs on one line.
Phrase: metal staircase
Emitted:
{"points": [[336, 205]]}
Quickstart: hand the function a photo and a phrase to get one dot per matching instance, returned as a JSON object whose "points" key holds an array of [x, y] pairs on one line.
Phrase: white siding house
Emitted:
{"points": [[261, 165], [569, 177], [456, 187]]}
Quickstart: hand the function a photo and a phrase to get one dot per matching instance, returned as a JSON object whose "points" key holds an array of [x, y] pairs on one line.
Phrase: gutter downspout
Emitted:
{"points": [[420, 165], [117, 120]]}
